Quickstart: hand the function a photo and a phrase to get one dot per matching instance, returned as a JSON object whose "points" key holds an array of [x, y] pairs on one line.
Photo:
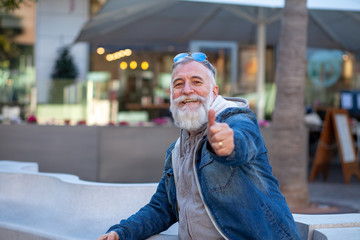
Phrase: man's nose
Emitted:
{"points": [[187, 89]]}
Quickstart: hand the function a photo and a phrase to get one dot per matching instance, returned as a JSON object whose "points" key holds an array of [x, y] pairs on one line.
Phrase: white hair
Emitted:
{"points": [[205, 63]]}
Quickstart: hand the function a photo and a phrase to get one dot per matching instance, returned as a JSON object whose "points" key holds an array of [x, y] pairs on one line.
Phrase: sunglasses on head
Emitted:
{"points": [[197, 56]]}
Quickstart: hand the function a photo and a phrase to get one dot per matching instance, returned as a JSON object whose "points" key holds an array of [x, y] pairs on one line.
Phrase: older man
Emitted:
{"points": [[217, 181]]}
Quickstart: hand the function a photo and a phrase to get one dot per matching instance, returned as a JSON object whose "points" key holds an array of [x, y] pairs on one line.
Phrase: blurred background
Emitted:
{"points": [[97, 63], [85, 87], [84, 83]]}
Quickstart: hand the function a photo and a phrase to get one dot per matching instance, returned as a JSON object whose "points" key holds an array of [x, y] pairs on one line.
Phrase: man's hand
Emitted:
{"points": [[220, 136], [109, 236]]}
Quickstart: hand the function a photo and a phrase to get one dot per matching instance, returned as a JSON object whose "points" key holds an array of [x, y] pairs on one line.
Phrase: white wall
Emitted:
{"points": [[58, 24], [106, 154]]}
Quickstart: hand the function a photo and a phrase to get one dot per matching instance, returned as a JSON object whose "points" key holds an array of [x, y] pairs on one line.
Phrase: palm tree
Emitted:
{"points": [[288, 148]]}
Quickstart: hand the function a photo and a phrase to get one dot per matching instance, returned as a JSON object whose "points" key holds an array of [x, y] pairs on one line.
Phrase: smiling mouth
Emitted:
{"points": [[188, 101]]}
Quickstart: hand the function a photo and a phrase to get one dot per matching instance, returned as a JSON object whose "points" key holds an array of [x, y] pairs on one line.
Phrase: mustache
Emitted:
{"points": [[191, 98]]}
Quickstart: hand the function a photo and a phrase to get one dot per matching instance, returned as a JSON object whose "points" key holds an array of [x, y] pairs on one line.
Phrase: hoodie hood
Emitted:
{"points": [[220, 103], [241, 102]]}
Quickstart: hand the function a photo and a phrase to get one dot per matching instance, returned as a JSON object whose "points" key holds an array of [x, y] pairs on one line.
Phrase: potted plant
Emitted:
{"points": [[64, 73]]}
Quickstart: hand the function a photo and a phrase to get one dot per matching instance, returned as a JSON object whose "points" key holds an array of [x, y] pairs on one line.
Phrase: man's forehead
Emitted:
{"points": [[193, 68]]}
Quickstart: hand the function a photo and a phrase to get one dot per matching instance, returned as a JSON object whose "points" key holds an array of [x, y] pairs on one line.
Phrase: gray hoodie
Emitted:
{"points": [[194, 223]]}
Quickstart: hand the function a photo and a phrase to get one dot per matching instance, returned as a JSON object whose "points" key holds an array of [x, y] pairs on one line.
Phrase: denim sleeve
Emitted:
{"points": [[153, 218], [247, 139]]}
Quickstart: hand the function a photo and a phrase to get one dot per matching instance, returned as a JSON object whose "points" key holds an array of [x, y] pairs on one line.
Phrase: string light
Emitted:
{"points": [[133, 65], [115, 55], [123, 65], [100, 50], [144, 65], [127, 52], [109, 57]]}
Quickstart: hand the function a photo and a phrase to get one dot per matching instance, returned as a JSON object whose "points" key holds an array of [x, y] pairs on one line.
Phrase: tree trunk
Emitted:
{"points": [[288, 148]]}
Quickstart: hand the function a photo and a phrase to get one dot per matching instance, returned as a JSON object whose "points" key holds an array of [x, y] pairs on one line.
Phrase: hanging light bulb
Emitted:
{"points": [[100, 50], [123, 65], [127, 52], [133, 65], [144, 65], [109, 57]]}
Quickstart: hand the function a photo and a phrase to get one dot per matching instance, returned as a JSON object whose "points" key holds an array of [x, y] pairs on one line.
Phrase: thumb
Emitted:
{"points": [[211, 117], [113, 236]]}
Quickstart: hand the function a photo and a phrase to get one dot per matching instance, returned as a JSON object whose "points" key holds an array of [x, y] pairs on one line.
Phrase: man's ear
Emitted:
{"points": [[215, 91]]}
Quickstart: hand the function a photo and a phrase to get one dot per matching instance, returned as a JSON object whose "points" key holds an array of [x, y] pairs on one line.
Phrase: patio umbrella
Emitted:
{"points": [[176, 22], [159, 24]]}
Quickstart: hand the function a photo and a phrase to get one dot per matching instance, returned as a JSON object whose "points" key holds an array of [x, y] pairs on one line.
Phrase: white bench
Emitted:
{"points": [[316, 226], [44, 206], [350, 233], [38, 206]]}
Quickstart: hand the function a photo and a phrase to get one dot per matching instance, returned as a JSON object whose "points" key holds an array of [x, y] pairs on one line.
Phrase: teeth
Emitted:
{"points": [[188, 100]]}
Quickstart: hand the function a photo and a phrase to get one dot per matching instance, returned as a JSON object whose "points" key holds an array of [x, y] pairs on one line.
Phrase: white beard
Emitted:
{"points": [[189, 119]]}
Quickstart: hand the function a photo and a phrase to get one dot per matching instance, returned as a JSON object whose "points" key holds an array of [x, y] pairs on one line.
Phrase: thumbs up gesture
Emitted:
{"points": [[220, 136]]}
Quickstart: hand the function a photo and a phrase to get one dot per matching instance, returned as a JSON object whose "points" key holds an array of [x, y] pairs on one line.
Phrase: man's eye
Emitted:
{"points": [[197, 82], [177, 84]]}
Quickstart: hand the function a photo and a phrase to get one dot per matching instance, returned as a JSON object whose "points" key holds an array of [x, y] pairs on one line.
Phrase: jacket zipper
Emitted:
{"points": [[202, 197]]}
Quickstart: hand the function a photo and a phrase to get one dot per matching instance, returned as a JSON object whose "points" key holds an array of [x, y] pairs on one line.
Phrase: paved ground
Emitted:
{"points": [[333, 195]]}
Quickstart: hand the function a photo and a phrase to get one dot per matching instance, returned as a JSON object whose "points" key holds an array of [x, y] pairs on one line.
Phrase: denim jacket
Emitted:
{"points": [[239, 192]]}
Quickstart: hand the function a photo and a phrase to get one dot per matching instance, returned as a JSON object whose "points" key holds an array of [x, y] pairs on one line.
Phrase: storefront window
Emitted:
{"points": [[329, 72], [17, 73]]}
